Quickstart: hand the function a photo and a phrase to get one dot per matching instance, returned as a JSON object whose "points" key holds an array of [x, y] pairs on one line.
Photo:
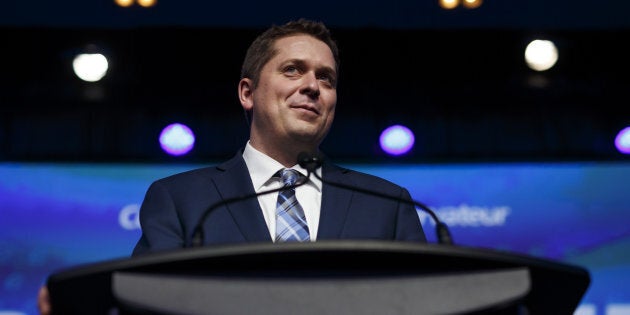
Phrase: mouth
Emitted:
{"points": [[306, 107]]}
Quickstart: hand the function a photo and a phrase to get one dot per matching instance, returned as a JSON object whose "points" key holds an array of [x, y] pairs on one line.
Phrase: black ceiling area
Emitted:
{"points": [[458, 81]]}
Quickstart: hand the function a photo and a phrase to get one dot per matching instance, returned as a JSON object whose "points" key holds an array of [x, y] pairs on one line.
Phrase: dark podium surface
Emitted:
{"points": [[324, 277]]}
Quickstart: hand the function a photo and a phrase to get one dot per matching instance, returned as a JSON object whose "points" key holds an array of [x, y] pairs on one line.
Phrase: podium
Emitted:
{"points": [[324, 277]]}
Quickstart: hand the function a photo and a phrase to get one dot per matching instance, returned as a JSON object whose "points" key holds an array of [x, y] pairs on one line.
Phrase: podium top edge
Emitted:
{"points": [[354, 247]]}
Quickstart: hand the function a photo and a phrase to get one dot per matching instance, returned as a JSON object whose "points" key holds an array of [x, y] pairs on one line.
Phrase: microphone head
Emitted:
{"points": [[309, 161]]}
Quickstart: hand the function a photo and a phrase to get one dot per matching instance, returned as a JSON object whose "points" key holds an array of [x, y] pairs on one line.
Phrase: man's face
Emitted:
{"points": [[294, 102]]}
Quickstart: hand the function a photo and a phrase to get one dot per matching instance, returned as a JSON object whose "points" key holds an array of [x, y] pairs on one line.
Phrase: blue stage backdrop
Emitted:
{"points": [[59, 215]]}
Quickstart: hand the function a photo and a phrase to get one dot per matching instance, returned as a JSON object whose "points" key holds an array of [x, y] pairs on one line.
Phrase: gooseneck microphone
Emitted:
{"points": [[198, 236], [312, 161]]}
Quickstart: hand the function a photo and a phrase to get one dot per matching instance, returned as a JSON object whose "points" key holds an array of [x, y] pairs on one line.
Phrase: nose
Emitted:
{"points": [[310, 85]]}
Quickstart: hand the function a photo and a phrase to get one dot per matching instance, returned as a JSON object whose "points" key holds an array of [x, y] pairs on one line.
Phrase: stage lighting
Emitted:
{"points": [[124, 3], [622, 141], [177, 139], [397, 140], [448, 4], [147, 3], [541, 55], [90, 67], [472, 4]]}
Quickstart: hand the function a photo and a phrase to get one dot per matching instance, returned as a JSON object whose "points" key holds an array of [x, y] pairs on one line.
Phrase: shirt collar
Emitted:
{"points": [[262, 168]]}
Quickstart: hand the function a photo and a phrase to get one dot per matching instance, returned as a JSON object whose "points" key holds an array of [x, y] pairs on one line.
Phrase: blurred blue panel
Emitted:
{"points": [[60, 215]]}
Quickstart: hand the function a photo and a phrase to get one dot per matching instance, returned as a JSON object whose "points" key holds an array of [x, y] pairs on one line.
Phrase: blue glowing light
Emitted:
{"points": [[397, 140], [177, 139], [622, 141]]}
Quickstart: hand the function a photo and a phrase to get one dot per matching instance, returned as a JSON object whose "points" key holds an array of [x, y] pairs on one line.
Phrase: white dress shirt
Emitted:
{"points": [[261, 170]]}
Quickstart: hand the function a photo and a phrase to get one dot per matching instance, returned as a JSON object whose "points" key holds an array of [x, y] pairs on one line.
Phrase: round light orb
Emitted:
{"points": [[177, 139], [541, 55], [146, 3], [90, 67], [397, 140], [448, 4], [622, 141], [124, 3]]}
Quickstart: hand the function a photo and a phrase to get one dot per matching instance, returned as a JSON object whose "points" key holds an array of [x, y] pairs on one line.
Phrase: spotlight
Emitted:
{"points": [[622, 141], [541, 55], [177, 139], [397, 140], [124, 3], [147, 3], [472, 4], [448, 4], [90, 67]]}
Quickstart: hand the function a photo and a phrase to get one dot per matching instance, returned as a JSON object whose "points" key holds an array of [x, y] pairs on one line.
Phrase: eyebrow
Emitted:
{"points": [[302, 63]]}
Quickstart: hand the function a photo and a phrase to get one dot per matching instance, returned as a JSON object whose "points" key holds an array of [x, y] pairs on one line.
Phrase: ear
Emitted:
{"points": [[246, 94]]}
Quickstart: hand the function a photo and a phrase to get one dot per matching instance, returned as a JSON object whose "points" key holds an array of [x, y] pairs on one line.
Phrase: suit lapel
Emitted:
{"points": [[247, 214], [335, 204]]}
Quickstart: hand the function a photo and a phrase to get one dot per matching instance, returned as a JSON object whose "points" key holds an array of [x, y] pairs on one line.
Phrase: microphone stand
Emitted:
{"points": [[197, 237], [441, 229], [311, 162]]}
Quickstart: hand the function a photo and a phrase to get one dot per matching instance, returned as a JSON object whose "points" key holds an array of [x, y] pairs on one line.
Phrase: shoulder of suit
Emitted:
{"points": [[364, 179], [202, 172], [207, 171]]}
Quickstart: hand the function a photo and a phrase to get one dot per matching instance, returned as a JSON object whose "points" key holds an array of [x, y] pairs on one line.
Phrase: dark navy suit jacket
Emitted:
{"points": [[173, 206]]}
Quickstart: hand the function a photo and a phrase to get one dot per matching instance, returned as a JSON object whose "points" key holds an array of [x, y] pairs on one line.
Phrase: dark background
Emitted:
{"points": [[456, 78]]}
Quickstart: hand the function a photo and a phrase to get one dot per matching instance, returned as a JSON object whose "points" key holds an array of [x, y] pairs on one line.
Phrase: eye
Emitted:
{"points": [[291, 69], [327, 78], [324, 78]]}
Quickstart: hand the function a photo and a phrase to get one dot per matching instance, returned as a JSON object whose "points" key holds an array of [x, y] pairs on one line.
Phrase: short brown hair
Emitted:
{"points": [[261, 50]]}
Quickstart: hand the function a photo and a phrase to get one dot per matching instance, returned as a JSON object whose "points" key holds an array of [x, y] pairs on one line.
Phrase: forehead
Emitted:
{"points": [[303, 47]]}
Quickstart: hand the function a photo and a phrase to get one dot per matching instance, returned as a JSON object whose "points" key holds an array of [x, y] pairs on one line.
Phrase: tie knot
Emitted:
{"points": [[289, 176]]}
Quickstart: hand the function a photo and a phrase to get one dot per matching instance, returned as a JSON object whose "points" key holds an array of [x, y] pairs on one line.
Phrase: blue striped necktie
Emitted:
{"points": [[290, 219]]}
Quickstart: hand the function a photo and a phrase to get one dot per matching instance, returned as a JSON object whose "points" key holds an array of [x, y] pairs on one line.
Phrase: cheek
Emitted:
{"points": [[331, 116], [331, 102]]}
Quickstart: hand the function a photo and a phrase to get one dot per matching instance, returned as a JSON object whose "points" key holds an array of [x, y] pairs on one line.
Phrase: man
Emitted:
{"points": [[288, 90]]}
